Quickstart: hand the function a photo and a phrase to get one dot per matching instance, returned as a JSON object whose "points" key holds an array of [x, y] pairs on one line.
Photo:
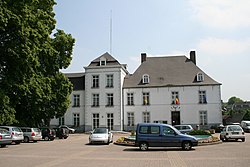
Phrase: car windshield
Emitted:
{"points": [[37, 130], [248, 124], [234, 128], [17, 129], [100, 130], [3, 131]]}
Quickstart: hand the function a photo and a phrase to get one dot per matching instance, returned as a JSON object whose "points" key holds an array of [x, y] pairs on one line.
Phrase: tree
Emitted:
{"points": [[30, 60], [233, 100]]}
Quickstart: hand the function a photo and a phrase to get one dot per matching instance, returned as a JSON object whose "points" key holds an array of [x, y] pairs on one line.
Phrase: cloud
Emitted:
{"points": [[222, 14], [223, 47]]}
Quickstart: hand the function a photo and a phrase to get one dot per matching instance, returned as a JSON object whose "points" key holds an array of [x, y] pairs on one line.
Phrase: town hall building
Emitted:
{"points": [[171, 90]]}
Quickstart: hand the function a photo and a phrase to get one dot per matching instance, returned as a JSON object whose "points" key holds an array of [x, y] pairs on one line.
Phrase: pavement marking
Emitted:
{"points": [[175, 159]]}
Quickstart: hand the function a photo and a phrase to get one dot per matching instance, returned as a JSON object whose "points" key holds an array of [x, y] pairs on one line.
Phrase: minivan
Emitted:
{"points": [[162, 135]]}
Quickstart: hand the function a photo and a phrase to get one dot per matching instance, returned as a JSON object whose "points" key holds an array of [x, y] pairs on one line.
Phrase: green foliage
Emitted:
{"points": [[247, 115], [234, 99], [199, 132], [33, 90]]}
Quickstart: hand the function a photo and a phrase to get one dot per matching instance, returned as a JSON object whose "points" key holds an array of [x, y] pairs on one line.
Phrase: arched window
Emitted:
{"points": [[145, 79], [200, 77]]}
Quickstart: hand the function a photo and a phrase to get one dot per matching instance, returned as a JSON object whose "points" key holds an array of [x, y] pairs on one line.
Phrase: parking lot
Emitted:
{"points": [[75, 151]]}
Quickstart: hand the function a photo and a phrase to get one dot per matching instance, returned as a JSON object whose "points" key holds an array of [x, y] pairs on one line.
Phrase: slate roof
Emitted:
{"points": [[77, 79], [166, 72], [109, 60]]}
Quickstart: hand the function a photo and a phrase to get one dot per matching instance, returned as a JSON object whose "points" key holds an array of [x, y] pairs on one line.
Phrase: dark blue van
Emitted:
{"points": [[162, 135]]}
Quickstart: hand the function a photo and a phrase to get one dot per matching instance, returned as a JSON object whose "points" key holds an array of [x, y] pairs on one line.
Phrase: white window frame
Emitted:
{"points": [[95, 100], [110, 100], [76, 119], [76, 100], [175, 97], [130, 99], [202, 97], [110, 121], [110, 81], [203, 117], [95, 81], [200, 77], [145, 79], [131, 118], [145, 98], [96, 120], [145, 117]]}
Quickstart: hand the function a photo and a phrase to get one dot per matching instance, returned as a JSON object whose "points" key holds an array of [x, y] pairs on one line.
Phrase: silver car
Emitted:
{"points": [[16, 133], [101, 135], [232, 132], [31, 134], [5, 137], [184, 128]]}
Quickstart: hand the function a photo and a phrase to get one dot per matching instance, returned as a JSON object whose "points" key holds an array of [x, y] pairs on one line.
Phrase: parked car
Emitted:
{"points": [[31, 134], [162, 135], [16, 133], [5, 137], [71, 130], [62, 133], [48, 133], [234, 132], [101, 135], [184, 128], [245, 126]]}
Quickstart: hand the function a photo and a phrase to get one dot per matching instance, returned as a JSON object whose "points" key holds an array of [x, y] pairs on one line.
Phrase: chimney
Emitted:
{"points": [[143, 57], [193, 57]]}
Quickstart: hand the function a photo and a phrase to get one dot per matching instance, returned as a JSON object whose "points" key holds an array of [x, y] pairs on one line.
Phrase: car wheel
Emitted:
{"points": [[144, 146], [243, 140], [3, 145], [186, 145], [26, 139], [46, 138]]}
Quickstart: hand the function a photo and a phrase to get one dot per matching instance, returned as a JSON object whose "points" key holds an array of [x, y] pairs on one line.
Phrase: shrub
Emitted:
{"points": [[199, 132]]}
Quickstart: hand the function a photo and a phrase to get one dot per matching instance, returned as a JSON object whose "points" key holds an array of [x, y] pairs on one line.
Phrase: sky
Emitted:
{"points": [[218, 30]]}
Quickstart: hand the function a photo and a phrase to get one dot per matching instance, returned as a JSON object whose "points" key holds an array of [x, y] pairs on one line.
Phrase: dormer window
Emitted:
{"points": [[145, 79], [102, 62], [200, 77]]}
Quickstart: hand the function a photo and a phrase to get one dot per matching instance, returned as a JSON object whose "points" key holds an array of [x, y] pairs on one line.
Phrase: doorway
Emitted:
{"points": [[175, 118]]}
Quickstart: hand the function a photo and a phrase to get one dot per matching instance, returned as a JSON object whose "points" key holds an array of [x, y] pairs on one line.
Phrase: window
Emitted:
{"points": [[102, 63], [145, 79], [76, 100], [146, 117], [175, 98], [131, 119], [110, 121], [149, 130], [61, 121], [110, 100], [95, 81], [203, 117], [168, 131], [76, 120], [95, 120], [110, 80], [202, 97], [145, 98], [200, 77], [95, 100], [130, 99]]}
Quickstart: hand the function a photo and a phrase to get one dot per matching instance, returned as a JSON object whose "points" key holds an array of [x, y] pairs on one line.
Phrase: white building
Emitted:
{"points": [[170, 90]]}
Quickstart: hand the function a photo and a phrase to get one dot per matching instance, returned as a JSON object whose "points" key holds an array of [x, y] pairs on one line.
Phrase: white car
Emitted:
{"points": [[234, 132], [101, 135], [71, 130]]}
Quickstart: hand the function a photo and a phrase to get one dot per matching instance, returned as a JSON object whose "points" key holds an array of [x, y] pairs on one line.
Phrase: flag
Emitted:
{"points": [[177, 101]]}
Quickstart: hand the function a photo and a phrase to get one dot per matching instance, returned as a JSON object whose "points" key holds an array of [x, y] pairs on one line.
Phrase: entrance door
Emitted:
{"points": [[175, 116]]}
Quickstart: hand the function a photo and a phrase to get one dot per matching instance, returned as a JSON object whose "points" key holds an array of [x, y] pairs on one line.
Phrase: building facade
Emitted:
{"points": [[170, 90]]}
